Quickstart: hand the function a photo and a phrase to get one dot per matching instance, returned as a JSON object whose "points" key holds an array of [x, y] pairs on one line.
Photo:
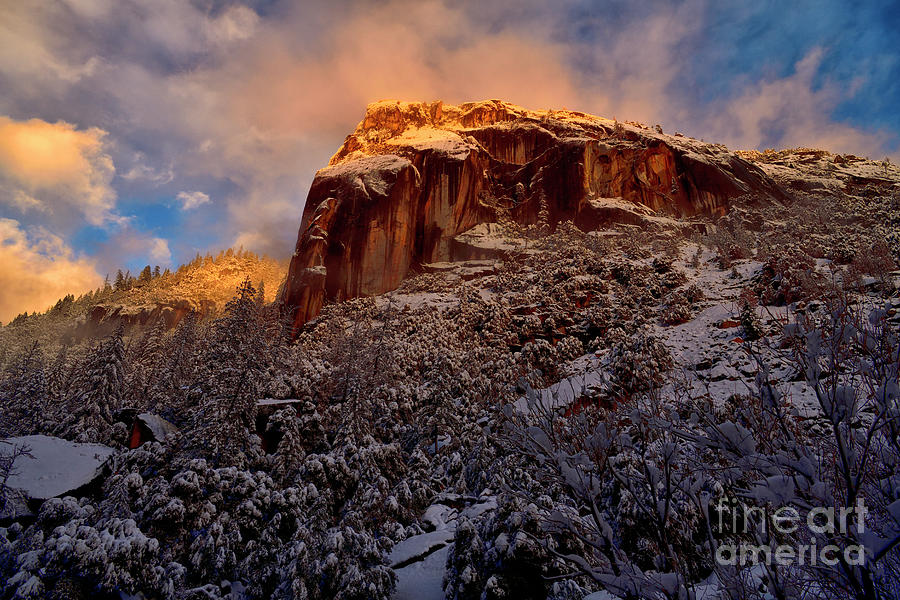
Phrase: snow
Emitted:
{"points": [[424, 556], [420, 545], [565, 392], [276, 401], [423, 580], [56, 466], [158, 426], [601, 595], [368, 173], [429, 138], [438, 516], [490, 237]]}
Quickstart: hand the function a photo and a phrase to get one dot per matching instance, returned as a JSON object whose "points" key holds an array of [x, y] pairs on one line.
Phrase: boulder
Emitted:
{"points": [[52, 468]]}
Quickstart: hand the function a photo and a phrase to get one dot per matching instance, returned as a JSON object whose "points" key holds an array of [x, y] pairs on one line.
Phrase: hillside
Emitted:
{"points": [[410, 183], [203, 285], [592, 369]]}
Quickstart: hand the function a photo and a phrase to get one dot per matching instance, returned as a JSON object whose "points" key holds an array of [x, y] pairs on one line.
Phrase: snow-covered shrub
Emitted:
{"points": [[638, 364], [676, 310], [569, 348], [541, 355], [498, 556], [751, 324], [627, 506], [788, 277]]}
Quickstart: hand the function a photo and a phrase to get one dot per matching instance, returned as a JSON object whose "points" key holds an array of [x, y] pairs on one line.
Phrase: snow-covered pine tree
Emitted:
{"points": [[289, 455], [169, 391], [24, 393], [97, 392], [233, 363], [146, 357]]}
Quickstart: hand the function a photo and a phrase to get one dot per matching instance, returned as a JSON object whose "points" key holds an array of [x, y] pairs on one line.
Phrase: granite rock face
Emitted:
{"points": [[415, 175]]}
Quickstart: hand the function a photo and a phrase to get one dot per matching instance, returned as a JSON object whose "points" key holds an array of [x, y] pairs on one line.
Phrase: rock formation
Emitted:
{"points": [[415, 175]]}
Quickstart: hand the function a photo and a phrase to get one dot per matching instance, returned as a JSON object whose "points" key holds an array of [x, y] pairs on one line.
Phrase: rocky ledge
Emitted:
{"points": [[413, 176]]}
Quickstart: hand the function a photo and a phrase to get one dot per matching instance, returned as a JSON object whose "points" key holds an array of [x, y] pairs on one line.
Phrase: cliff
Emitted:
{"points": [[415, 175]]}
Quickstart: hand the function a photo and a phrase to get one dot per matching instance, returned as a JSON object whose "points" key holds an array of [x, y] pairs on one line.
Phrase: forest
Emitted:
{"points": [[552, 429]]}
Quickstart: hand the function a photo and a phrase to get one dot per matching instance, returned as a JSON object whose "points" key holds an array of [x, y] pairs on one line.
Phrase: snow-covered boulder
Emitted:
{"points": [[55, 467], [149, 427]]}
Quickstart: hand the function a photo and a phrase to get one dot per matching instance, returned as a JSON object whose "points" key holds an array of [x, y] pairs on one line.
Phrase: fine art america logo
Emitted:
{"points": [[812, 535]]}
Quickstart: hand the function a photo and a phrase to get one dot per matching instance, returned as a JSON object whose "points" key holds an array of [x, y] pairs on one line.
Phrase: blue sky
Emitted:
{"points": [[175, 127]]}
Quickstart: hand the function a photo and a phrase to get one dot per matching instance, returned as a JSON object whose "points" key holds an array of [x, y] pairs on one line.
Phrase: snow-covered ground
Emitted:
{"points": [[420, 561], [54, 466]]}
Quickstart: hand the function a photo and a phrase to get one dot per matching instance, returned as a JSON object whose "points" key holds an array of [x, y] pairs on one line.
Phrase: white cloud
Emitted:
{"points": [[191, 200], [159, 250], [234, 24], [37, 268], [791, 112]]}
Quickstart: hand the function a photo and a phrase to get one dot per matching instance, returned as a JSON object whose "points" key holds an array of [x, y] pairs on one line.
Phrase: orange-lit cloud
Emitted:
{"points": [[37, 268], [56, 168]]}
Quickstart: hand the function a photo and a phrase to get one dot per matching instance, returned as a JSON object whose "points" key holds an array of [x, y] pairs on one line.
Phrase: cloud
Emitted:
{"points": [[132, 246], [234, 24], [268, 116], [57, 169], [191, 200], [35, 55], [793, 111], [159, 250], [37, 268]]}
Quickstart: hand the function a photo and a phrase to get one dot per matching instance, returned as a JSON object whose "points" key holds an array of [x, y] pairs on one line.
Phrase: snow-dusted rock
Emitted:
{"points": [[56, 466], [157, 426]]}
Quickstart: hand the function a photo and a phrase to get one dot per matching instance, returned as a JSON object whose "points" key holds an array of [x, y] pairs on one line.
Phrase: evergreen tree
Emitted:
{"points": [[97, 392], [146, 360], [24, 394], [233, 364], [290, 454], [169, 392], [146, 274]]}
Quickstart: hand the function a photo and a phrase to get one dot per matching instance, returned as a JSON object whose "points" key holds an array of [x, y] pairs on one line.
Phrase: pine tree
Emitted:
{"points": [[543, 216], [233, 364], [24, 394], [97, 392], [146, 359], [289, 455], [261, 294], [146, 274], [170, 391]]}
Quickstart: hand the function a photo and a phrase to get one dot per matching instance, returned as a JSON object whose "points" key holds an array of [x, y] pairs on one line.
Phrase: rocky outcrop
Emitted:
{"points": [[103, 319], [415, 175]]}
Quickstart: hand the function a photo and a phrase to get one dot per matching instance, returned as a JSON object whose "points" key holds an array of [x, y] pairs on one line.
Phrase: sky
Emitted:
{"points": [[135, 132]]}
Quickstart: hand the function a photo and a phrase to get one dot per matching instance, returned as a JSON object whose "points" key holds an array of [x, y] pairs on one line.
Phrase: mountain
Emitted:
{"points": [[536, 356], [413, 176]]}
